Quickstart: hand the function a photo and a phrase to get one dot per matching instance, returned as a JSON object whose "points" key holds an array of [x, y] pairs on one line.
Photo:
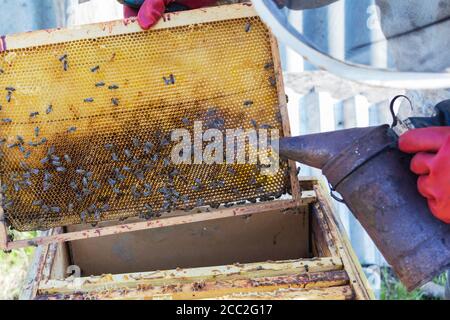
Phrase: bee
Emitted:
{"points": [[63, 57], [186, 121], [37, 203], [12, 145], [43, 140], [100, 84], [70, 207], [148, 147], [95, 69], [200, 202], [85, 182], [166, 206], [73, 185], [268, 65], [253, 123], [248, 103], [80, 171], [47, 176], [67, 158], [89, 174], [27, 154], [147, 186], [127, 153], [135, 193], [109, 146], [6, 120], [36, 131], [49, 109], [9, 96], [34, 114], [170, 80], [16, 187], [61, 169], [215, 205], [89, 100], [112, 182], [113, 87], [44, 160], [126, 168], [55, 209], [83, 216], [164, 142], [115, 102], [155, 157], [46, 186], [96, 184], [136, 142], [248, 26], [139, 175], [34, 171], [272, 81], [166, 162], [71, 129], [65, 65]]}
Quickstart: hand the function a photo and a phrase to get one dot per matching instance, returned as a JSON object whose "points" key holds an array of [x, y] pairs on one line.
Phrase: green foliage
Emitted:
{"points": [[14, 267], [393, 289]]}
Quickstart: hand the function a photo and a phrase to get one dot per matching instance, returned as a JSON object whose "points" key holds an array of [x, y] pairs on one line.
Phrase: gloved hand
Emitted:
{"points": [[151, 10], [432, 164]]}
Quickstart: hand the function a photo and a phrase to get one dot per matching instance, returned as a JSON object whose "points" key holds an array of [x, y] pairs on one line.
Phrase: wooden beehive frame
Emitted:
{"points": [[170, 20]]}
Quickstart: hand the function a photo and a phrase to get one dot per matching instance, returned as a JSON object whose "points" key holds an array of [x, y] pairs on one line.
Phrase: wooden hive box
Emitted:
{"points": [[296, 253]]}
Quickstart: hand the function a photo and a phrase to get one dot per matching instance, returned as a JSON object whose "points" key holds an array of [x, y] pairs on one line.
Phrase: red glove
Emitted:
{"points": [[432, 163], [152, 10]]}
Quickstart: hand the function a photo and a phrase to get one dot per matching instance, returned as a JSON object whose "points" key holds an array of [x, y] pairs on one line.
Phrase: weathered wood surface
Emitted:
{"points": [[333, 293], [295, 187], [201, 283], [344, 249], [125, 26]]}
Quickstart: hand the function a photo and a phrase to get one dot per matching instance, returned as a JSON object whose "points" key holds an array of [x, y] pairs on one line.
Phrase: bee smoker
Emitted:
{"points": [[365, 166]]}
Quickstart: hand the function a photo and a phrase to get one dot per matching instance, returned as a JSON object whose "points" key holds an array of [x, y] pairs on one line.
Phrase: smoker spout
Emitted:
{"points": [[316, 150]]}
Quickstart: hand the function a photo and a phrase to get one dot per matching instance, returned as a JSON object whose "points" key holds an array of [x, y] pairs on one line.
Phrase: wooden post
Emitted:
{"points": [[3, 229]]}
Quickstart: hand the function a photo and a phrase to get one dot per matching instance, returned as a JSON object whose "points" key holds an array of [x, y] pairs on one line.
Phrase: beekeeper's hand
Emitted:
{"points": [[151, 10], [432, 164]]}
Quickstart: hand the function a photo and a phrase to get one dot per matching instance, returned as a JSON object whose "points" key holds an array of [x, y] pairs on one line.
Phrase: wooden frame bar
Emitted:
{"points": [[3, 230], [218, 281], [295, 186], [125, 26], [163, 222], [128, 26]]}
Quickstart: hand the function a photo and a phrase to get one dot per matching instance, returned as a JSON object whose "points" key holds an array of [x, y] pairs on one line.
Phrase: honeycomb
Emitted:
{"points": [[85, 124]]}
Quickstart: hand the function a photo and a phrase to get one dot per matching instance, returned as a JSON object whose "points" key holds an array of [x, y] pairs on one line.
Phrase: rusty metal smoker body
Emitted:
{"points": [[375, 182]]}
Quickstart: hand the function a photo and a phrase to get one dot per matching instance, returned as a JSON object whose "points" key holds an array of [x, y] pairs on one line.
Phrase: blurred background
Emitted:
{"points": [[318, 101]]}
